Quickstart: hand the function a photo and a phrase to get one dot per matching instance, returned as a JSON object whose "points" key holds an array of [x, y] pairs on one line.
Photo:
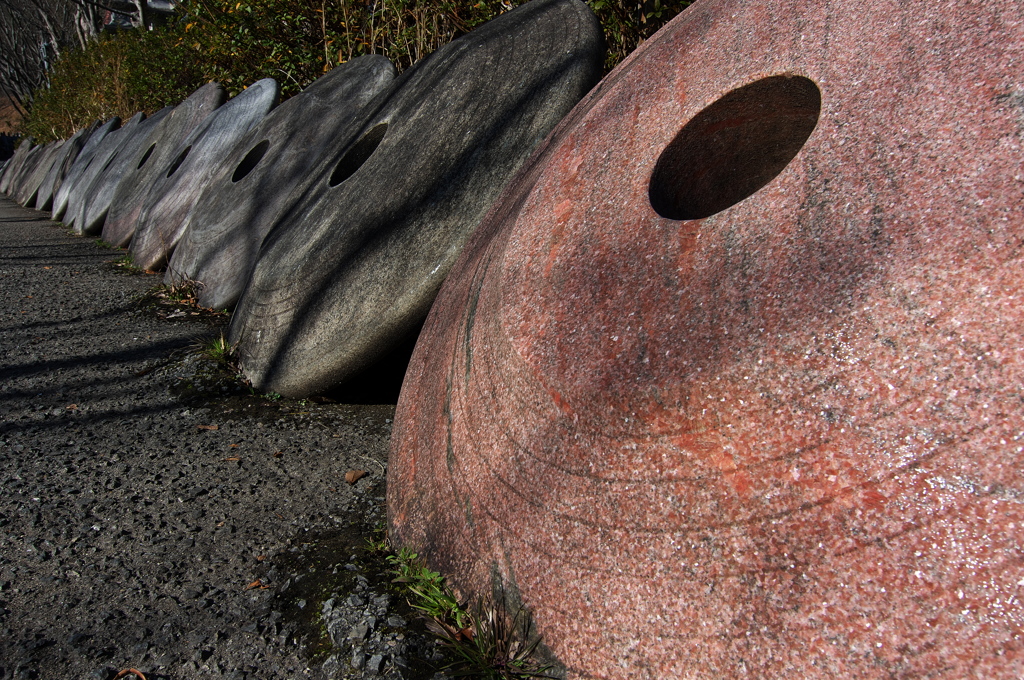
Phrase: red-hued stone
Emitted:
{"points": [[784, 440]]}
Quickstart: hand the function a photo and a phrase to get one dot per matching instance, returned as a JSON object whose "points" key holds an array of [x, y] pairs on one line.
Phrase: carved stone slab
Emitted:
{"points": [[15, 164], [97, 181], [33, 175], [149, 161], [82, 165], [266, 171], [101, 182], [175, 191], [25, 167], [351, 271], [721, 391], [62, 165]]}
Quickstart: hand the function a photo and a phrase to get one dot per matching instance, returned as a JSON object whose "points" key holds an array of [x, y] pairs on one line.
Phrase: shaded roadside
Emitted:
{"points": [[154, 513]]}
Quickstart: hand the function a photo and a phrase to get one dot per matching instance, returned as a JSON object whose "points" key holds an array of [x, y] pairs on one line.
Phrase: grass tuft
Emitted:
{"points": [[126, 264], [485, 642]]}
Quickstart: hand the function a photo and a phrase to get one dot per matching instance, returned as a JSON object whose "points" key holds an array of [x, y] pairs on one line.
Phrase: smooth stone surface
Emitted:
{"points": [[265, 173], [27, 173], [62, 165], [83, 164], [121, 153], [14, 165], [176, 190], [150, 160], [25, 168], [781, 441], [351, 271], [34, 176]]}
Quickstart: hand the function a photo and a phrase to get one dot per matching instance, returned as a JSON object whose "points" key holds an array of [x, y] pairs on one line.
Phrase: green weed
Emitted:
{"points": [[127, 265], [218, 350], [485, 642]]}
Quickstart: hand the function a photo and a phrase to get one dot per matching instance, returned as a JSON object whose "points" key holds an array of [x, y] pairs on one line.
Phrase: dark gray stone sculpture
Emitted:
{"points": [[15, 164], [175, 191], [97, 183], [153, 158], [33, 176], [264, 174], [90, 199], [38, 155], [59, 170], [82, 164], [351, 271], [24, 168]]}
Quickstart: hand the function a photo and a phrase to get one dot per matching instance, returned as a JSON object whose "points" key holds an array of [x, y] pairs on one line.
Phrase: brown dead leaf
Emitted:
{"points": [[278, 454], [235, 446], [260, 558], [72, 407], [353, 476], [208, 427], [466, 634], [47, 267], [255, 584], [233, 458]]}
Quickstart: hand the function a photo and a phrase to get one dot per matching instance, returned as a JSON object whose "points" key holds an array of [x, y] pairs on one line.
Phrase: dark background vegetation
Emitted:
{"points": [[65, 63]]}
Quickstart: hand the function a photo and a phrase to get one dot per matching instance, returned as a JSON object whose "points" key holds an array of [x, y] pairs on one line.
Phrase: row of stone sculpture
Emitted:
{"points": [[727, 381], [330, 221]]}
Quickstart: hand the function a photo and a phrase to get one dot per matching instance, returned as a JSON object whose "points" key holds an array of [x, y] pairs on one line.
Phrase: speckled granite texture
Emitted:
{"points": [[781, 440]]}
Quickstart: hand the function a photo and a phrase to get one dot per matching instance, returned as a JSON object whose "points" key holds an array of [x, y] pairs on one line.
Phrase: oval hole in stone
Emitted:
{"points": [[145, 157], [734, 147], [251, 160], [358, 154], [178, 161], [110, 161]]}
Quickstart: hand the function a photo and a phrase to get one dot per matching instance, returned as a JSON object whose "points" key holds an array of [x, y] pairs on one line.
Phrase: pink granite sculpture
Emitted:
{"points": [[730, 382]]}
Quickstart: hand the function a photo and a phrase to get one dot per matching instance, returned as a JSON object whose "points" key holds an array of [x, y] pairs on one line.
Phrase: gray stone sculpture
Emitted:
{"points": [[153, 158], [24, 167], [81, 166], [264, 174], [175, 191], [59, 170], [33, 176], [351, 271], [100, 181], [15, 164], [37, 155]]}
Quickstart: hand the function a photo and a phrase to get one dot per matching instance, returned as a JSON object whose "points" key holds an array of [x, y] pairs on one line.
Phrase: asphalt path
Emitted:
{"points": [[154, 513]]}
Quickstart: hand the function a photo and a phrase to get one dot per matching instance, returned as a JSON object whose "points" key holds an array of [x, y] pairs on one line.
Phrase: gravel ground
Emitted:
{"points": [[157, 515]]}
